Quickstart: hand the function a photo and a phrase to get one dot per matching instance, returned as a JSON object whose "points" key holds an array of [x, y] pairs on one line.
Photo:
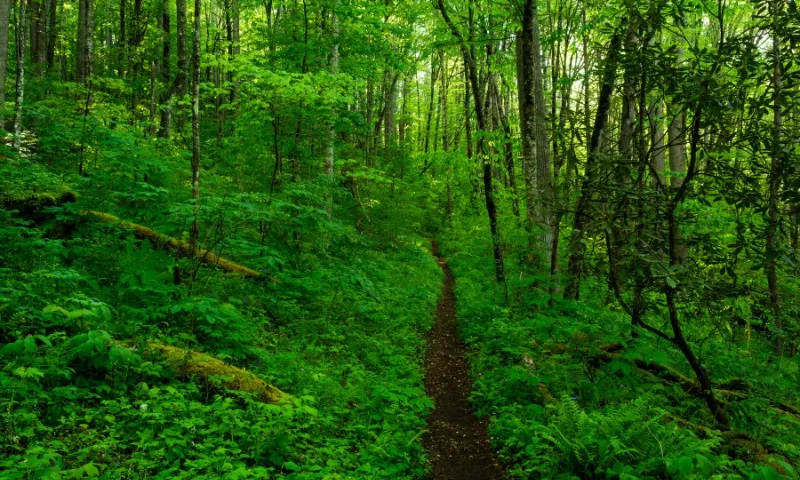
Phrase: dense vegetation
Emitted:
{"points": [[215, 226]]}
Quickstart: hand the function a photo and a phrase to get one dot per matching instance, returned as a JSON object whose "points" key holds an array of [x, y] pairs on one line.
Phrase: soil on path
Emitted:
{"points": [[457, 441]]}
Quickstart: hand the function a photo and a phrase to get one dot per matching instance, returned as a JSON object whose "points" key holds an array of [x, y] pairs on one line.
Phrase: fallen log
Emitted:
{"points": [[31, 205], [203, 367], [37, 200], [184, 248], [669, 376]]}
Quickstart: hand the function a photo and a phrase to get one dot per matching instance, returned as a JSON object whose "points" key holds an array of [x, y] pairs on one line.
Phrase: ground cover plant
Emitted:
{"points": [[340, 239]]}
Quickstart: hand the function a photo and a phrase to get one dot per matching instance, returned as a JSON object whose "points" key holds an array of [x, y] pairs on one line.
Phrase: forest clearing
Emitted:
{"points": [[399, 239]]}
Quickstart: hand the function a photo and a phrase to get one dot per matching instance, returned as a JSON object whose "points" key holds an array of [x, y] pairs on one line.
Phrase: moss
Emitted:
{"points": [[33, 201], [208, 369]]}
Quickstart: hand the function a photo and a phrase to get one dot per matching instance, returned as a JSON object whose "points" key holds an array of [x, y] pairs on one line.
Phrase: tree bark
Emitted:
{"points": [[467, 114], [331, 141], [432, 97], [657, 142], [677, 149], [535, 142], [772, 251], [235, 44], [477, 93], [89, 32], [195, 122], [334, 69], [181, 75], [508, 149], [123, 37], [51, 34], [164, 125], [5, 12], [39, 53], [33, 11], [445, 131], [389, 109], [80, 51], [18, 104], [576, 245]]}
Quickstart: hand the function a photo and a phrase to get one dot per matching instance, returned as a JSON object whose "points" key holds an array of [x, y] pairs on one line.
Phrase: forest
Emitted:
{"points": [[399, 239]]}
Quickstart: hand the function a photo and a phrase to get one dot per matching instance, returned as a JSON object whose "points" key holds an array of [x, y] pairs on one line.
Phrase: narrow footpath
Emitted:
{"points": [[457, 441]]}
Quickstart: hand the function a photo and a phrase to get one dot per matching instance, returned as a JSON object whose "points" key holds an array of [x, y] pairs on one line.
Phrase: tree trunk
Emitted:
{"points": [[163, 129], [331, 141], [20, 41], [153, 96], [181, 75], [434, 75], [196, 122], [508, 150], [576, 245], [39, 54], [235, 43], [390, 106], [677, 149], [491, 208], [445, 134], [369, 109], [535, 142], [33, 11], [657, 142], [123, 36], [5, 7], [80, 50], [89, 32], [772, 251], [51, 34], [467, 114], [334, 69], [677, 155]]}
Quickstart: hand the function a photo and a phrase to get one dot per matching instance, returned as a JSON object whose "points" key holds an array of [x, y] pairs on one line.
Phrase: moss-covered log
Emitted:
{"points": [[209, 369], [184, 248]]}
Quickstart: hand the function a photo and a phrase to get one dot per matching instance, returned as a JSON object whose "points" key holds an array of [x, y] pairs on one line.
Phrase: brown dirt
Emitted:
{"points": [[457, 440]]}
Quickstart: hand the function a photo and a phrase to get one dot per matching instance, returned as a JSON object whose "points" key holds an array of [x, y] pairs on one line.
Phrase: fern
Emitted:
{"points": [[596, 444]]}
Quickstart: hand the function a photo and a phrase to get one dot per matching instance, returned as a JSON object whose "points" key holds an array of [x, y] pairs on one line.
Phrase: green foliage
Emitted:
{"points": [[334, 322], [556, 411]]}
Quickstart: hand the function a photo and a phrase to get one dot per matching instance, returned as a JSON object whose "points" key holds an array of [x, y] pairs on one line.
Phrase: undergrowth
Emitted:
{"points": [[332, 322], [556, 411]]}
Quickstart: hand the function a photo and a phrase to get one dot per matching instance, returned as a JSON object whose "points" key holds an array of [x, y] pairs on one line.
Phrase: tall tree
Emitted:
{"points": [[80, 49], [533, 125], [577, 247], [774, 178], [181, 75], [488, 187], [21, 29], [166, 97], [196, 122], [4, 24]]}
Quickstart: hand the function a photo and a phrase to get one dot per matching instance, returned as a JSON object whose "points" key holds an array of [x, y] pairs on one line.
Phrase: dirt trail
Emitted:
{"points": [[457, 441]]}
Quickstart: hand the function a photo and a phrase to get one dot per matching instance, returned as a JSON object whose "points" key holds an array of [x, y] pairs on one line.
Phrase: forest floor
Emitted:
{"points": [[457, 440]]}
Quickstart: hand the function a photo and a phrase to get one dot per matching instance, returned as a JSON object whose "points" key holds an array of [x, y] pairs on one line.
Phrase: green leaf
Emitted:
{"points": [[91, 470]]}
